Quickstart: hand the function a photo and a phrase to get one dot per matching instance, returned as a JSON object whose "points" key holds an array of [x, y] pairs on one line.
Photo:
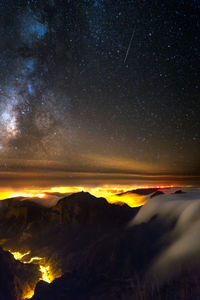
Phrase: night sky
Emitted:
{"points": [[99, 89]]}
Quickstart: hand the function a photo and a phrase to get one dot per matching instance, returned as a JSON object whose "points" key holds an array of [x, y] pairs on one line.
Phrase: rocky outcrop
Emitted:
{"points": [[89, 242], [157, 193], [16, 279]]}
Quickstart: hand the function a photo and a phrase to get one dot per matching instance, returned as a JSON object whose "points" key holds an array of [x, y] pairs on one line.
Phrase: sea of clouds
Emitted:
{"points": [[183, 240]]}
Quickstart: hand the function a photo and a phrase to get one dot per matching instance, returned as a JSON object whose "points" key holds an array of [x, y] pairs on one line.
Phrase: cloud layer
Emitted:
{"points": [[182, 248]]}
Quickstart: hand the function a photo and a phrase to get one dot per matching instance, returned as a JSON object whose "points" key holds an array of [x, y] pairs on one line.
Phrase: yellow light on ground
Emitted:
{"points": [[18, 255], [46, 275], [29, 295], [32, 259]]}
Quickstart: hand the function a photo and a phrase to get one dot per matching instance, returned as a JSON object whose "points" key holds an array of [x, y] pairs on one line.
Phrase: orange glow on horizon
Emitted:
{"points": [[29, 195], [108, 192], [25, 193], [132, 200]]}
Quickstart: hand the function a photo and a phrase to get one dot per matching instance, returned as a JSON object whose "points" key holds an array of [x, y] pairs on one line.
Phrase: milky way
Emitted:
{"points": [[100, 86]]}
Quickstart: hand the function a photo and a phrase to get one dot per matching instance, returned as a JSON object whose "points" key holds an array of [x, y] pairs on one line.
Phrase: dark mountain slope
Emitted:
{"points": [[16, 279], [88, 241]]}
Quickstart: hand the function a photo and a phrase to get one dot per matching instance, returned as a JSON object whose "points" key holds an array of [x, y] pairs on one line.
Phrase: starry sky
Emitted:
{"points": [[99, 91]]}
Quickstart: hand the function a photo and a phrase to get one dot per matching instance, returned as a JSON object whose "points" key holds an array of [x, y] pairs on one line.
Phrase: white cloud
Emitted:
{"points": [[183, 243]]}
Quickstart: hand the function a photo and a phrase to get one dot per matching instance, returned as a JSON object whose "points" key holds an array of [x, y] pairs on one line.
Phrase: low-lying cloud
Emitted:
{"points": [[182, 249]]}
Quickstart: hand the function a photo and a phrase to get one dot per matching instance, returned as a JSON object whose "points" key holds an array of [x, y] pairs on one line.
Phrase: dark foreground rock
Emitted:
{"points": [[16, 279], [89, 241]]}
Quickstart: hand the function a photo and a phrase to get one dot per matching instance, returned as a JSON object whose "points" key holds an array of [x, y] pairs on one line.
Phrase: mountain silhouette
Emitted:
{"points": [[92, 250]]}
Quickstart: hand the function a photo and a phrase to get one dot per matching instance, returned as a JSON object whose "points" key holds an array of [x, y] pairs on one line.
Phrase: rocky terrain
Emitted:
{"points": [[92, 250], [16, 278]]}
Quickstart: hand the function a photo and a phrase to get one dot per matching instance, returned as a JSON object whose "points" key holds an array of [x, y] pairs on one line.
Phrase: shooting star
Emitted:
{"points": [[129, 46]]}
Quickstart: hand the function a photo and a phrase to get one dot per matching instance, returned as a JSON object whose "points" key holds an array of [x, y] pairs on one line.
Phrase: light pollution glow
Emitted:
{"points": [[46, 273], [108, 192]]}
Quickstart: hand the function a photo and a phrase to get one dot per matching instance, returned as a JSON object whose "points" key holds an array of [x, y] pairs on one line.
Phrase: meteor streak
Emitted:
{"points": [[129, 46]]}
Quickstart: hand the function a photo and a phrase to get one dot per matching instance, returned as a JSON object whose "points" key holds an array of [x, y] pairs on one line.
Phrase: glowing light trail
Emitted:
{"points": [[46, 274], [32, 259], [18, 255]]}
